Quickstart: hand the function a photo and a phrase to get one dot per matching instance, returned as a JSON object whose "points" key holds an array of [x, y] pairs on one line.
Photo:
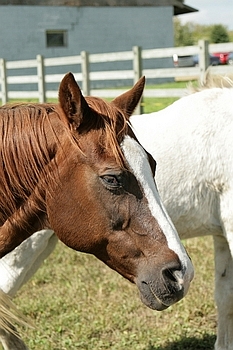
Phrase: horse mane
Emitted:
{"points": [[210, 81], [113, 123], [25, 153]]}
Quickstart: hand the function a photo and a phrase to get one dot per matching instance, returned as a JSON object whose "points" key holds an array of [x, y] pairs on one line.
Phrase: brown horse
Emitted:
{"points": [[76, 167]]}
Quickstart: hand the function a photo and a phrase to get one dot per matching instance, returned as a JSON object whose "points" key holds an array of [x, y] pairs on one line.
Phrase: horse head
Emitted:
{"points": [[107, 203]]}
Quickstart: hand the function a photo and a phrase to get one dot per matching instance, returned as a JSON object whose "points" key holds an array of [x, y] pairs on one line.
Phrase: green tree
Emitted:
{"points": [[190, 33], [219, 34], [182, 33], [230, 35], [201, 32]]}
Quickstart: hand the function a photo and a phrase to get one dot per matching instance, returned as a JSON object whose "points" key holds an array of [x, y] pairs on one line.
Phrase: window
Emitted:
{"points": [[56, 38]]}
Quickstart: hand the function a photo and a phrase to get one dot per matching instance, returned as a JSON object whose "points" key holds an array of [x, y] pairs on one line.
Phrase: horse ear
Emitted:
{"points": [[128, 101], [72, 101]]}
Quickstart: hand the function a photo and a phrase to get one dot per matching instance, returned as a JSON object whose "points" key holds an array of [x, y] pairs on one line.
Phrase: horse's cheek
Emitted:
{"points": [[81, 225]]}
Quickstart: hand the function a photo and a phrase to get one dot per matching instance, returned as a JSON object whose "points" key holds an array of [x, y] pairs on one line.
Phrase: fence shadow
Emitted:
{"points": [[190, 343]]}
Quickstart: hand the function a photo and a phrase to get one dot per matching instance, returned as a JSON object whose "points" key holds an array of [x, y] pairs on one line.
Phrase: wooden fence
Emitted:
{"points": [[81, 68]]}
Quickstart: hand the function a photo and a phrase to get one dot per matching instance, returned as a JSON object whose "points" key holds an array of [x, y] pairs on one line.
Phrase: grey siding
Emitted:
{"points": [[94, 29]]}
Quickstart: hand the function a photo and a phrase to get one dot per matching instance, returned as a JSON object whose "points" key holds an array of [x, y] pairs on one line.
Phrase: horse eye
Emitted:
{"points": [[111, 181]]}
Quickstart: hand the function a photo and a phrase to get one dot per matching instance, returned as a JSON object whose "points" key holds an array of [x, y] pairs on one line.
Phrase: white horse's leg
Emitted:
{"points": [[224, 293], [17, 267], [224, 273]]}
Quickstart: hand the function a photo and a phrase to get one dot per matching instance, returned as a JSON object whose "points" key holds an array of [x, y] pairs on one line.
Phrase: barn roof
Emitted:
{"points": [[178, 5]]}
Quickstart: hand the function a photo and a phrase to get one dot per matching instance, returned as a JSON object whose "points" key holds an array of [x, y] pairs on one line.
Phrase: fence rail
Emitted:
{"points": [[81, 69]]}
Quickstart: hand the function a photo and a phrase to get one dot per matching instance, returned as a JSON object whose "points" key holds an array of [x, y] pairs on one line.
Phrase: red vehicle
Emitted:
{"points": [[223, 57]]}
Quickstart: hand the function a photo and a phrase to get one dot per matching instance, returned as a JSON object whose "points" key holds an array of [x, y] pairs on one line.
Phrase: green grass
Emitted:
{"points": [[170, 85], [76, 302], [156, 104]]}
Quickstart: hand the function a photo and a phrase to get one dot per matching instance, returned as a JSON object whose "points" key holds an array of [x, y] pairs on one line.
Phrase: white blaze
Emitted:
{"points": [[138, 162]]}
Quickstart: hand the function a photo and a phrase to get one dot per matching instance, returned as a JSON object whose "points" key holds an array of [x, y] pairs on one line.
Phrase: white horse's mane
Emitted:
{"points": [[211, 81]]}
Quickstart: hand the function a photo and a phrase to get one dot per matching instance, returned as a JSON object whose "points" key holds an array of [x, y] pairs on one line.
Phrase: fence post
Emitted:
{"points": [[41, 78], [3, 81], [137, 68], [204, 58], [85, 73]]}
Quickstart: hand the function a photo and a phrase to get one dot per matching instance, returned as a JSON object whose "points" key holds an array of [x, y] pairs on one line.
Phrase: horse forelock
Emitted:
{"points": [[112, 124]]}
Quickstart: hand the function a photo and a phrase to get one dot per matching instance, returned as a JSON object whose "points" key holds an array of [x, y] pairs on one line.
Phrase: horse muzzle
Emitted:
{"points": [[162, 288]]}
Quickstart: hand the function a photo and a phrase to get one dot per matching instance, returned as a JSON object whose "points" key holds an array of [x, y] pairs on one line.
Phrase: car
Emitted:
{"points": [[214, 60], [193, 60], [230, 59], [183, 61], [223, 56]]}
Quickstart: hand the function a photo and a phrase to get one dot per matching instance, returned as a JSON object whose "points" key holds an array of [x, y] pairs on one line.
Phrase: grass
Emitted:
{"points": [[76, 302], [154, 105]]}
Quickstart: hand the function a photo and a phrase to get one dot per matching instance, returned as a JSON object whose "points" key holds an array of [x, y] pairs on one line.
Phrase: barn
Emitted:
{"points": [[61, 28], [56, 28]]}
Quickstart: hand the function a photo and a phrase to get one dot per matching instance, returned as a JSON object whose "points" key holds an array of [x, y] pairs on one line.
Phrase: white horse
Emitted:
{"points": [[192, 142]]}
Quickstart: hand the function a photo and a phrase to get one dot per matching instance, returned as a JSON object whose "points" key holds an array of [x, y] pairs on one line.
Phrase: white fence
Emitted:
{"points": [[81, 69]]}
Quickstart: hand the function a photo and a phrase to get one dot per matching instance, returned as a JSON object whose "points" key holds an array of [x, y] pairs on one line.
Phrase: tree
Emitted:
{"points": [[190, 33], [219, 34], [182, 33]]}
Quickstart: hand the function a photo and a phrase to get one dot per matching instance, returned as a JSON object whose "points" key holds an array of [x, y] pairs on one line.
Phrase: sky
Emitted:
{"points": [[210, 12]]}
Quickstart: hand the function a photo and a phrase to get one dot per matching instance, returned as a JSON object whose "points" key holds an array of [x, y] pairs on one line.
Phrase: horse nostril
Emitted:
{"points": [[174, 275]]}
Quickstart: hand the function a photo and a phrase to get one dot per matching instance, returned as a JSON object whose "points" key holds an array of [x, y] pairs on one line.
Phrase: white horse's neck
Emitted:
{"points": [[188, 140]]}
